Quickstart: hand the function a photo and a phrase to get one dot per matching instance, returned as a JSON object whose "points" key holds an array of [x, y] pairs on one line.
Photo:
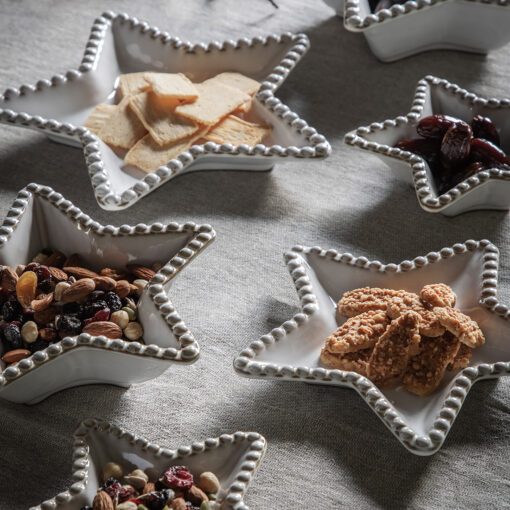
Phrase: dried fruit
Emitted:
{"points": [[148, 487], [487, 153], [12, 336], [26, 288], [103, 328], [456, 145], [177, 477], [113, 301], [46, 316], [50, 334], [101, 315], [436, 126], [483, 127], [78, 290], [68, 325]]}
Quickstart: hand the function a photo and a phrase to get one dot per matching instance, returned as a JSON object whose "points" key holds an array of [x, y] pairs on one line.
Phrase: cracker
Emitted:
{"points": [[215, 101], [158, 117], [132, 83], [148, 156], [123, 128], [238, 81], [237, 131], [172, 86], [245, 107], [99, 115]]}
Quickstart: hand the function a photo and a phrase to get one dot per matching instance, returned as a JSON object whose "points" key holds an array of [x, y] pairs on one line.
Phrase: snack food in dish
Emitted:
{"points": [[456, 150], [56, 296], [393, 336], [161, 115], [174, 489]]}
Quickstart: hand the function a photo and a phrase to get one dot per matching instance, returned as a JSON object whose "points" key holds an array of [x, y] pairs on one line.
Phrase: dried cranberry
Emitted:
{"points": [[12, 336], [177, 477], [11, 310], [487, 153], [113, 488], [436, 126], [113, 301], [483, 127], [456, 145], [101, 315], [69, 325], [125, 493]]}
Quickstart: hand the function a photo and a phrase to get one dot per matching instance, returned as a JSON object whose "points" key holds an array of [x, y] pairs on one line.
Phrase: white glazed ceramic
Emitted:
{"points": [[489, 189], [291, 351], [41, 218], [337, 5], [234, 458], [121, 44], [420, 25]]}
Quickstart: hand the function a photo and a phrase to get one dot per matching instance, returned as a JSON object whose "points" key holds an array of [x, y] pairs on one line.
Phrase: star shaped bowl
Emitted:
{"points": [[120, 44], [412, 27], [489, 189], [40, 218], [291, 352], [234, 458]]}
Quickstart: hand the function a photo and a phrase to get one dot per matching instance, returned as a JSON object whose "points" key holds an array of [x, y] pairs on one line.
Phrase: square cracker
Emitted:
{"points": [[158, 117], [99, 115], [238, 81], [123, 129], [172, 86], [148, 156], [237, 131], [132, 83], [215, 101]]}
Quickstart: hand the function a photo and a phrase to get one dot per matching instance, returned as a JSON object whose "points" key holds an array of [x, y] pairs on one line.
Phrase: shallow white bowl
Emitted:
{"points": [[122, 44], [291, 352], [467, 25], [234, 458], [489, 189], [40, 218]]}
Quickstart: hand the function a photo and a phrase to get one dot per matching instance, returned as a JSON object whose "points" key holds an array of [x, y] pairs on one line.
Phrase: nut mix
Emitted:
{"points": [[175, 489], [456, 150], [394, 336], [54, 296]]}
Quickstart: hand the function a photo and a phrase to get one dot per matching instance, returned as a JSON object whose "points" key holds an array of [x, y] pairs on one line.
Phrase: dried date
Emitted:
{"points": [[488, 153], [483, 127], [436, 126], [456, 145], [424, 147]]}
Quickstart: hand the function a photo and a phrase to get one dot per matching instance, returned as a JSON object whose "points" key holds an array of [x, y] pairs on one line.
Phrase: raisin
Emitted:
{"points": [[90, 309], [436, 126], [483, 127], [177, 477], [488, 153], [11, 310], [113, 302], [69, 325], [12, 336], [95, 295], [72, 308], [47, 285], [455, 146], [38, 345]]}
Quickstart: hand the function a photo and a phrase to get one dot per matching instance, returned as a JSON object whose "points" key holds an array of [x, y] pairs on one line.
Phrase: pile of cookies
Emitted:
{"points": [[396, 336], [161, 115]]}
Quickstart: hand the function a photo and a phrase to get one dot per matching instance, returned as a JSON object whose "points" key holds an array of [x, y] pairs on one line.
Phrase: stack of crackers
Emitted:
{"points": [[395, 336], [160, 115]]}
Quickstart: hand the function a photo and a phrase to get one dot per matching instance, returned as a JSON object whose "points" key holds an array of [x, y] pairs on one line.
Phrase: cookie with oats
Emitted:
{"points": [[461, 326], [437, 295], [366, 299], [350, 361], [357, 333], [462, 359]]}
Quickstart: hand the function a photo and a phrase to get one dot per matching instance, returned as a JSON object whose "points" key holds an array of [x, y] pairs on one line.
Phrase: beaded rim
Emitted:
{"points": [[245, 364], [202, 236], [354, 22], [427, 198], [318, 147], [81, 461]]}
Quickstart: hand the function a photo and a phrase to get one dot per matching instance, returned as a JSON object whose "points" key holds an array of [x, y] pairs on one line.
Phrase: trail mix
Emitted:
{"points": [[456, 150], [55, 296], [396, 336], [176, 489]]}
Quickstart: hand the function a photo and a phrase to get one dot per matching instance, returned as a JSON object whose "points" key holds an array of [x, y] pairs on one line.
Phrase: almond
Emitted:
{"points": [[9, 279], [149, 487], [26, 288], [15, 355], [104, 283], [103, 501], [196, 495], [112, 273], [104, 328], [80, 272], [41, 303], [145, 273], [123, 288], [78, 290], [73, 260], [57, 259], [58, 274]]}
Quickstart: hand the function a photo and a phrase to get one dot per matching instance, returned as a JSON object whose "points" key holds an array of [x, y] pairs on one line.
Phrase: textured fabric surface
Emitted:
{"points": [[326, 447]]}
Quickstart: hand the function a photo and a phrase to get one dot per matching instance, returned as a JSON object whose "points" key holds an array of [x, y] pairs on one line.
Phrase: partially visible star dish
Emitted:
{"points": [[41, 218], [118, 44], [233, 457], [291, 351], [488, 189]]}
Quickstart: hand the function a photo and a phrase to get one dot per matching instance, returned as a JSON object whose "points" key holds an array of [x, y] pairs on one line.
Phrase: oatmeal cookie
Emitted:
{"points": [[356, 333], [462, 359], [429, 323], [425, 370], [391, 353], [351, 361], [460, 325], [437, 294]]}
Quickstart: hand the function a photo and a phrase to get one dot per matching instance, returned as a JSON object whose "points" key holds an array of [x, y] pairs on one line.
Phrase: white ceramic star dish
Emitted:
{"points": [[412, 27], [41, 218], [122, 44], [489, 189], [234, 458], [291, 351]]}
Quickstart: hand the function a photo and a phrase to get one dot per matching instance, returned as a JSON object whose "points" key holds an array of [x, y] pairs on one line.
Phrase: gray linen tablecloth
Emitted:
{"points": [[326, 447]]}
